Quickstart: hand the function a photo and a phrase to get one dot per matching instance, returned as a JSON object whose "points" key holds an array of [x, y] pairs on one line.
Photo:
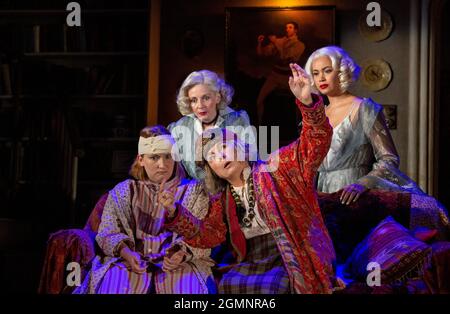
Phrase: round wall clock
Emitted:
{"points": [[376, 33], [376, 74]]}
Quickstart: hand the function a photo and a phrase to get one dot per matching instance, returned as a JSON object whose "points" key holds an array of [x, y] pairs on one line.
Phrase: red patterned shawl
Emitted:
{"points": [[288, 202]]}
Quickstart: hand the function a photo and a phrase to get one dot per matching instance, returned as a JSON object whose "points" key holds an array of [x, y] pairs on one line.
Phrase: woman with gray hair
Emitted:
{"points": [[266, 211], [203, 100], [362, 154]]}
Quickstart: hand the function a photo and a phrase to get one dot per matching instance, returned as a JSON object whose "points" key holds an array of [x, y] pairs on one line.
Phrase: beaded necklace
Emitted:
{"points": [[246, 219]]}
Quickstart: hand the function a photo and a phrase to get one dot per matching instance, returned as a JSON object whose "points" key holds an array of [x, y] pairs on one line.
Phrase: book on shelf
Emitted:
{"points": [[5, 77], [43, 38], [36, 38]]}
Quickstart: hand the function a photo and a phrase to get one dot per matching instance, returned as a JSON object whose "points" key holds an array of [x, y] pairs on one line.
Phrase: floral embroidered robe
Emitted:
{"points": [[288, 203]]}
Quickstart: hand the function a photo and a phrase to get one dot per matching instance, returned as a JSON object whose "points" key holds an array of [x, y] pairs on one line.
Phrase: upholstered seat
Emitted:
{"points": [[348, 226]]}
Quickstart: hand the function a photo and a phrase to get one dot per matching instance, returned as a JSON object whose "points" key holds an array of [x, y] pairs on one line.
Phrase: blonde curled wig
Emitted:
{"points": [[348, 69], [213, 81]]}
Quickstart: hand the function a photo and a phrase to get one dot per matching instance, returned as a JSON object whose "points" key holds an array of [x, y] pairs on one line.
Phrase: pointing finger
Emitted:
{"points": [[161, 186]]}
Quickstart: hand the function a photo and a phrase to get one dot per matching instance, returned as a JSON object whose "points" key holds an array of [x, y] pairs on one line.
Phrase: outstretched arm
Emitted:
{"points": [[315, 138], [202, 233], [306, 153], [267, 50]]}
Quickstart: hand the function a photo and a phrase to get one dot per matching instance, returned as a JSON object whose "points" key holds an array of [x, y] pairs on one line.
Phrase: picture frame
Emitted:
{"points": [[247, 71]]}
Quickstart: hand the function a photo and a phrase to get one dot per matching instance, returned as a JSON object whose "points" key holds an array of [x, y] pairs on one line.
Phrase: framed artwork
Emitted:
{"points": [[260, 42]]}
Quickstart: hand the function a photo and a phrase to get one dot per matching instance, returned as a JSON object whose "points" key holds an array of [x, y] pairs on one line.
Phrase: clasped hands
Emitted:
{"points": [[138, 263], [172, 258]]}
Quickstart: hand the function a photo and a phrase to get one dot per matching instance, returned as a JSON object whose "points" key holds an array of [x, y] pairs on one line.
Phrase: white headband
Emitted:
{"points": [[161, 144]]}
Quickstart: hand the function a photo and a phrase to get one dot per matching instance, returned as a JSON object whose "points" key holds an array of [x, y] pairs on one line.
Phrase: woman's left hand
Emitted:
{"points": [[300, 84], [351, 193], [167, 199], [175, 261]]}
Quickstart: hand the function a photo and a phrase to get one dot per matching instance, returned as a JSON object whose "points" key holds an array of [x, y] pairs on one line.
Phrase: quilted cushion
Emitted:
{"points": [[348, 225], [391, 245], [64, 246]]}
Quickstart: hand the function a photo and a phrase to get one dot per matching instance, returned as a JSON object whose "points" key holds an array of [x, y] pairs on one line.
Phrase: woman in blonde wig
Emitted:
{"points": [[362, 154]]}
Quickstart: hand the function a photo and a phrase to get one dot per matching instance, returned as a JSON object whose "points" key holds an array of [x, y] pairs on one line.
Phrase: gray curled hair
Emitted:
{"points": [[209, 78], [348, 69]]}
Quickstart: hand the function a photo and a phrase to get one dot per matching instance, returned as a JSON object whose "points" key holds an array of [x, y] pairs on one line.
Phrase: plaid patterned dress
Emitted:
{"points": [[262, 271]]}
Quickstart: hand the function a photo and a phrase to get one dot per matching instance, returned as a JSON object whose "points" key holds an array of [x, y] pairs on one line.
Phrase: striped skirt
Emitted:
{"points": [[262, 271], [119, 280]]}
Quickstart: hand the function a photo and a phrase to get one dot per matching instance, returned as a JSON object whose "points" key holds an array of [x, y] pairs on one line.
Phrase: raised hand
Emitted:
{"points": [[167, 199], [300, 84]]}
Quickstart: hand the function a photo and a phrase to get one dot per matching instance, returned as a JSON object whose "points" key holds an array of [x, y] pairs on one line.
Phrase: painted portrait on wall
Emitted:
{"points": [[260, 44]]}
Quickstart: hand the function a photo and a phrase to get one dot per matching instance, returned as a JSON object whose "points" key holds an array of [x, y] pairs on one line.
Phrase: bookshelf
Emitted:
{"points": [[72, 101]]}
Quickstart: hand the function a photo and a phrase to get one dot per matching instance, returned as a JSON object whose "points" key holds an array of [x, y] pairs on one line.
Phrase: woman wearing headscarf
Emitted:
{"points": [[138, 255]]}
